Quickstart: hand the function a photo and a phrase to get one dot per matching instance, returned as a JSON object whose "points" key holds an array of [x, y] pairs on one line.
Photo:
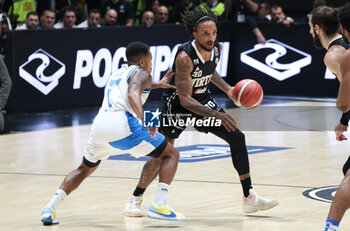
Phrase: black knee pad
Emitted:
{"points": [[346, 166]]}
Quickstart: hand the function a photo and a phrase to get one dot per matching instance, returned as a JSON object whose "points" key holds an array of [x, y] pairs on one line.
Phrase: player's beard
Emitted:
{"points": [[317, 41], [204, 48]]}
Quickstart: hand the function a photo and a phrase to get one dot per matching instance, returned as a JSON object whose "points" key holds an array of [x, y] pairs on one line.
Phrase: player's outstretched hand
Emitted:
{"points": [[164, 82], [339, 130], [227, 121]]}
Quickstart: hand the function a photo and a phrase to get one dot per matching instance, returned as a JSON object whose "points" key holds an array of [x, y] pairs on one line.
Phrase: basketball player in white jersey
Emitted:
{"points": [[341, 200], [117, 126]]}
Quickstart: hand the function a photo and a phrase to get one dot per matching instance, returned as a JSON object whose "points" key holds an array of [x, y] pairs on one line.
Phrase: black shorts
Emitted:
{"points": [[173, 112]]}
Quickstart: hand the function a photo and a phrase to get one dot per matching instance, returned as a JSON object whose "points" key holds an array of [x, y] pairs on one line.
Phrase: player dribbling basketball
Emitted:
{"points": [[194, 67]]}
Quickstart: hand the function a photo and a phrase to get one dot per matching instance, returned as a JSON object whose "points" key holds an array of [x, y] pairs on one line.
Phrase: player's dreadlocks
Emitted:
{"points": [[191, 19]]}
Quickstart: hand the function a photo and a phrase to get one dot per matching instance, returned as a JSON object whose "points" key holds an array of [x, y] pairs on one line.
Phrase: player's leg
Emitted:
{"points": [[149, 172], [252, 202], [341, 201], [159, 208], [70, 183]]}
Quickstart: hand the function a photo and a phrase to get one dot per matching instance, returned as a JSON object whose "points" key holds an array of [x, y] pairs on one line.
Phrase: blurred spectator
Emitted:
{"points": [[77, 5], [278, 16], [214, 5], [179, 8], [139, 7], [68, 19], [261, 17], [47, 19], [31, 23], [154, 6], [92, 20], [5, 27], [111, 18], [147, 18], [5, 87], [124, 10], [162, 15], [243, 8], [17, 10]]}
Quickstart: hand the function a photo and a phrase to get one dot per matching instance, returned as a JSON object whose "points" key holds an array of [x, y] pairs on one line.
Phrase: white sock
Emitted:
{"points": [[162, 193], [57, 198]]}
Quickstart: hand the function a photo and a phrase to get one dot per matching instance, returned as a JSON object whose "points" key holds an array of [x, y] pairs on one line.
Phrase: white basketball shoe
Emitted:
{"points": [[133, 207], [255, 203]]}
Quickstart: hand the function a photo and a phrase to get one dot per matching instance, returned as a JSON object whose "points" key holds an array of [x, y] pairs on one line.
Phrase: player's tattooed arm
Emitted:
{"points": [[139, 81], [220, 83], [183, 82]]}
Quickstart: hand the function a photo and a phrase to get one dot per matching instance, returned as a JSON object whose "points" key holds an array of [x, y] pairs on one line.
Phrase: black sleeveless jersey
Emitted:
{"points": [[201, 73], [339, 41]]}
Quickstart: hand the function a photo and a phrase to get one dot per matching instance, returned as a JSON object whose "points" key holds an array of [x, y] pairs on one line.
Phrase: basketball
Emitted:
{"points": [[247, 94]]}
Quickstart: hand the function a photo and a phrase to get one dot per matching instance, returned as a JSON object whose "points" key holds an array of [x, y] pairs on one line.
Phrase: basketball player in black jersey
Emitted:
{"points": [[194, 67], [341, 200], [324, 28]]}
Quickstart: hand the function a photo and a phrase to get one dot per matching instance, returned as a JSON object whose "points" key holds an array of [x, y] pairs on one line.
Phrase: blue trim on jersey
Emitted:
{"points": [[139, 134], [132, 70]]}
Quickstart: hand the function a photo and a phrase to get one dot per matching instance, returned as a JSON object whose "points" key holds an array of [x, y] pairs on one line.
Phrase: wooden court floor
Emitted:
{"points": [[208, 192]]}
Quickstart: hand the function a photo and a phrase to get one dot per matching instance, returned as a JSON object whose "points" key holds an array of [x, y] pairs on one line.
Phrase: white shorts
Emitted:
{"points": [[121, 131]]}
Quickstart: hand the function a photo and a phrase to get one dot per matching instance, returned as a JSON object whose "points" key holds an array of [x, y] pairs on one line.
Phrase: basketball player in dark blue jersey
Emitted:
{"points": [[341, 200], [194, 67]]}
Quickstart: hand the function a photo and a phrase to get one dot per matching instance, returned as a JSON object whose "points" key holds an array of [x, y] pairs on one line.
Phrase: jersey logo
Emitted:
{"points": [[201, 82], [42, 71], [196, 61], [216, 60]]}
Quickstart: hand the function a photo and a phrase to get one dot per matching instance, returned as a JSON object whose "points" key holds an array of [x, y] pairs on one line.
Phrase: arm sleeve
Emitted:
{"points": [[5, 83]]}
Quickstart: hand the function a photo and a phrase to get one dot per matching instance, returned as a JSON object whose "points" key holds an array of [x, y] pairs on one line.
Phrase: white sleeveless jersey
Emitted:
{"points": [[116, 91]]}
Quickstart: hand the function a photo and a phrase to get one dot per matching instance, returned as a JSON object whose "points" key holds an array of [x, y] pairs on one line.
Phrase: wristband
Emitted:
{"points": [[345, 118]]}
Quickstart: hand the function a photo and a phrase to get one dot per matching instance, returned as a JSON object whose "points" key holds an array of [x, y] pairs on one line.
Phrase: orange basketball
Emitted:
{"points": [[247, 94]]}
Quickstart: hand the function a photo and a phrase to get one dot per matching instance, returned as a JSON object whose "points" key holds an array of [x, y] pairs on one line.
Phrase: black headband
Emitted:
{"points": [[201, 20]]}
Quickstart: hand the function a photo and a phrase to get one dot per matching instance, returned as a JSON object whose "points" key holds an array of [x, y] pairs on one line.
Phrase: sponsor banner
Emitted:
{"points": [[324, 194], [202, 152], [69, 68], [287, 64]]}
